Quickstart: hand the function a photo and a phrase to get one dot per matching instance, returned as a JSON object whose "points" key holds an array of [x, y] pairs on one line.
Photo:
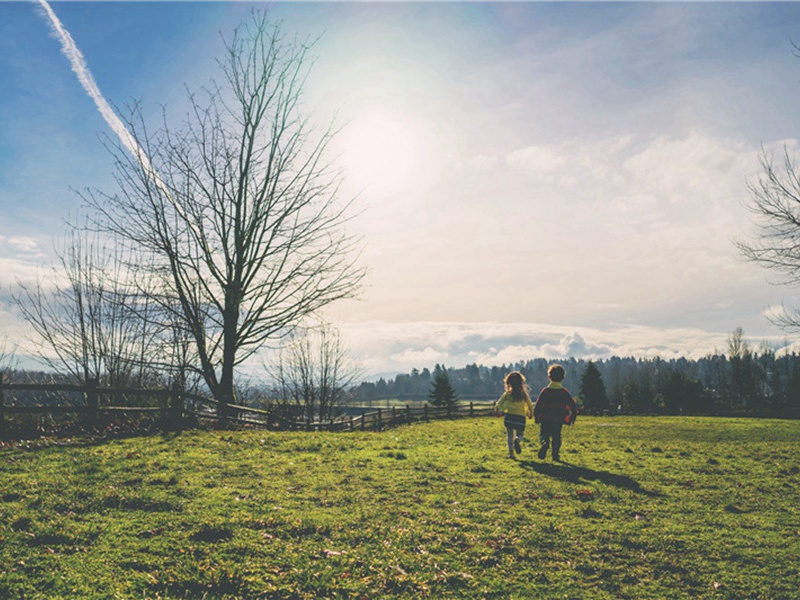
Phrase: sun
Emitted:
{"points": [[382, 152]]}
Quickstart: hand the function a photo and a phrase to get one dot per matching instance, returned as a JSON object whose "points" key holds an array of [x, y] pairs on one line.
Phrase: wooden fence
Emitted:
{"points": [[379, 418], [176, 409]]}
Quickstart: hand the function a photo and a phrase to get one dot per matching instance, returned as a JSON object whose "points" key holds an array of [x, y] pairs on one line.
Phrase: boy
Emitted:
{"points": [[554, 407]]}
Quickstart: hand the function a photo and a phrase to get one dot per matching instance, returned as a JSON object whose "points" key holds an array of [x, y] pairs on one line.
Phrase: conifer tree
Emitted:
{"points": [[593, 390], [442, 392]]}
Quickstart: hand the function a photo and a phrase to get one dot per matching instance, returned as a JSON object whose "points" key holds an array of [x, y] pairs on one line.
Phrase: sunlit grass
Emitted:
{"points": [[642, 508]]}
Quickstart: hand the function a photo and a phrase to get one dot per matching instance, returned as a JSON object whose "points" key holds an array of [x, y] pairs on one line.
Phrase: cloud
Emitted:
{"points": [[572, 345], [683, 170], [425, 356], [575, 345], [671, 168], [483, 163], [786, 316], [537, 159], [24, 244], [13, 269], [793, 348], [20, 257], [387, 348]]}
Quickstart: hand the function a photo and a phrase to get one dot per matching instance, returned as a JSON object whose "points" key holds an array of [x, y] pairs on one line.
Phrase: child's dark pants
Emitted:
{"points": [[550, 431], [515, 428]]}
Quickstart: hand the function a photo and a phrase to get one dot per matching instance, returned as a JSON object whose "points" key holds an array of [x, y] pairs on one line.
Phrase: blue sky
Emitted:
{"points": [[535, 178]]}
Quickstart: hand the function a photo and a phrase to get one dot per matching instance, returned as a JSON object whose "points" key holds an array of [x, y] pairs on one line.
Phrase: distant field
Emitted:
{"points": [[643, 508], [402, 402]]}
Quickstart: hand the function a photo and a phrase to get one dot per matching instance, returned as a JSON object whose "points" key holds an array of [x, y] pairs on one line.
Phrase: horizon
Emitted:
{"points": [[564, 352], [532, 178]]}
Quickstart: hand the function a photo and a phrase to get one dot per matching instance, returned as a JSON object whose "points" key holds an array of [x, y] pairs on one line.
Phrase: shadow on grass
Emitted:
{"points": [[576, 474]]}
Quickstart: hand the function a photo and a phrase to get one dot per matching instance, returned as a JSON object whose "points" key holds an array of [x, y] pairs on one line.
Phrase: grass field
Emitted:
{"points": [[642, 508]]}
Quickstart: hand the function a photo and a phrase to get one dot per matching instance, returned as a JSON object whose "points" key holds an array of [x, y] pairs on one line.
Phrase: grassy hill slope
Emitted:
{"points": [[642, 508]]}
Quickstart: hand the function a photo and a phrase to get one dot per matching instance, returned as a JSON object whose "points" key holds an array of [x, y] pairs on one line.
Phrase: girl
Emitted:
{"points": [[516, 404]]}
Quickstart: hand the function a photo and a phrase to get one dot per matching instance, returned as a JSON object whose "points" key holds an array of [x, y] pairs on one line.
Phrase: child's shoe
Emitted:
{"points": [[517, 446], [542, 452]]}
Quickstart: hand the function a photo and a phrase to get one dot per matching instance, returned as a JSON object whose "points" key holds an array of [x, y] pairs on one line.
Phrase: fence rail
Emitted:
{"points": [[175, 408]]}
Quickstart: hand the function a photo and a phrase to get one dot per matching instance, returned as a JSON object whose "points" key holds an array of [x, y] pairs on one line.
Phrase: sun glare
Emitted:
{"points": [[382, 152]]}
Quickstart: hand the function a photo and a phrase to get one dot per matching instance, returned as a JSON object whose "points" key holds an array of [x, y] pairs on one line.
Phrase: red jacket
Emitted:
{"points": [[555, 405]]}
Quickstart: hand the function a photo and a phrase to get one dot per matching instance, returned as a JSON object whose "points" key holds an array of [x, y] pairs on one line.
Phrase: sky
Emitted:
{"points": [[533, 179]]}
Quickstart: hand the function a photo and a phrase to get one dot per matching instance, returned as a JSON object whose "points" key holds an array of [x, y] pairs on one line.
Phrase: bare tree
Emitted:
{"points": [[237, 211], [775, 202], [8, 358], [86, 323], [743, 370], [8, 349], [314, 372]]}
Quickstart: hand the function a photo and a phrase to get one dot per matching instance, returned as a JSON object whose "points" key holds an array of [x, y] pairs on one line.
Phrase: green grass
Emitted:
{"points": [[643, 508]]}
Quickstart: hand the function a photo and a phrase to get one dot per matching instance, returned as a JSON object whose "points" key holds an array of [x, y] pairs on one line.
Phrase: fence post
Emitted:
{"points": [[362, 420], [2, 407], [92, 404], [426, 411], [471, 413], [350, 421], [408, 413], [394, 415], [380, 420], [175, 410]]}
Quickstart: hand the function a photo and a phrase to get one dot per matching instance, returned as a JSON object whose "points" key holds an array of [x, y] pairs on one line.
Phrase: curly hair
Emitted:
{"points": [[515, 384]]}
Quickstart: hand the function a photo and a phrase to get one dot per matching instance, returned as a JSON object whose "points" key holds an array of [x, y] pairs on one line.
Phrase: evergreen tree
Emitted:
{"points": [[681, 395], [793, 388], [593, 390], [442, 392]]}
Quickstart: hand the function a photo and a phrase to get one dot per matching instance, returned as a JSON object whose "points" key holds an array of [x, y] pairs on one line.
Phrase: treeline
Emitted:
{"points": [[741, 381]]}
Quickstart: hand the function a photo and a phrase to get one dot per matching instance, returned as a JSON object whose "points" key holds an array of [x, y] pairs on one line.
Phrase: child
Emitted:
{"points": [[516, 404], [554, 407]]}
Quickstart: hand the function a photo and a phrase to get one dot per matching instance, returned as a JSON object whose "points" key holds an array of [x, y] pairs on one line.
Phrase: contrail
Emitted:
{"points": [[81, 69]]}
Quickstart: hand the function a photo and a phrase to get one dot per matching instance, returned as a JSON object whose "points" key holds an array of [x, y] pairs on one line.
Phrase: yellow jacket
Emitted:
{"points": [[507, 405]]}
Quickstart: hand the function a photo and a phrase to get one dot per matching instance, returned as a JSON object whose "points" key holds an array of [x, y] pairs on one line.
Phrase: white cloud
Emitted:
{"points": [[20, 257], [780, 313], [386, 348], [692, 169], [793, 348], [537, 159], [425, 356], [13, 269], [483, 163], [24, 244], [572, 345], [629, 170]]}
